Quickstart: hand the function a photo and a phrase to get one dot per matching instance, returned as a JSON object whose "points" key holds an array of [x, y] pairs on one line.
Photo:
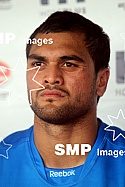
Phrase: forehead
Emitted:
{"points": [[64, 43]]}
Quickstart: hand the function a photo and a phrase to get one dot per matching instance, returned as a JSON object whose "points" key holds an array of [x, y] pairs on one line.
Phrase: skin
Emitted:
{"points": [[65, 112]]}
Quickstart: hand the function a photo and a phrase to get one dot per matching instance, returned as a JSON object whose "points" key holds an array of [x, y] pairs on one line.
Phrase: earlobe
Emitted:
{"points": [[102, 80]]}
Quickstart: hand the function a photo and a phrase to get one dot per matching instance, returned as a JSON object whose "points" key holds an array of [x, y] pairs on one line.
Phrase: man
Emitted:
{"points": [[71, 71]]}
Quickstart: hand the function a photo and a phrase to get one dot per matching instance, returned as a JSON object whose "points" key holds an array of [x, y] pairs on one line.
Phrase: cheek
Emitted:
{"points": [[80, 84], [30, 83], [75, 83]]}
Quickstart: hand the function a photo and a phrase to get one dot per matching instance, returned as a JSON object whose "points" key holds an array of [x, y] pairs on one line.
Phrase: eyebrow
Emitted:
{"points": [[72, 57], [36, 57], [63, 58]]}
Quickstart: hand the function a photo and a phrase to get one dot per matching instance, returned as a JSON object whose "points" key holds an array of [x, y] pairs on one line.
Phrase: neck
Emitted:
{"points": [[46, 136]]}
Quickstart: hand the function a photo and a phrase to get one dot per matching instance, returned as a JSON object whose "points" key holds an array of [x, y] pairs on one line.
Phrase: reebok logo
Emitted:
{"points": [[62, 173]]}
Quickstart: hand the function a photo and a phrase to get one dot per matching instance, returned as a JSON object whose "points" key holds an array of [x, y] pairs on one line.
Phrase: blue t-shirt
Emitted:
{"points": [[22, 166]]}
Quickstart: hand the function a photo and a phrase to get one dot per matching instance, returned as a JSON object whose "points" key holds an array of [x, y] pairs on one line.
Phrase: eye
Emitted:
{"points": [[37, 63], [69, 64]]}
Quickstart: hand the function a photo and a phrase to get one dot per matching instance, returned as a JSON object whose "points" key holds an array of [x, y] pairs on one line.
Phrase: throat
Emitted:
{"points": [[64, 143]]}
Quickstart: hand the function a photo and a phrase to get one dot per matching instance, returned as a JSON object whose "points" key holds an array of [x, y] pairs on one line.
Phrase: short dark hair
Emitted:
{"points": [[97, 41]]}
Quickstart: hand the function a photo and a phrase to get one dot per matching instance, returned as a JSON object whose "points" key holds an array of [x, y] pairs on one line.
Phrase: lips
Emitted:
{"points": [[52, 93]]}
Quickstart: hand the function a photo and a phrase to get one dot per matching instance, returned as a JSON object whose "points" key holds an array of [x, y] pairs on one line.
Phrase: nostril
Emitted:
{"points": [[54, 82], [57, 82], [46, 81]]}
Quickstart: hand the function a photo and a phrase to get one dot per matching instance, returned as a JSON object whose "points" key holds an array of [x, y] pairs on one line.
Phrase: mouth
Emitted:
{"points": [[52, 94]]}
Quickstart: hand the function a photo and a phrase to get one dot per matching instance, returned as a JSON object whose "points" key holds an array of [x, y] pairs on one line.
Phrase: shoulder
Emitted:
{"points": [[114, 135], [17, 138]]}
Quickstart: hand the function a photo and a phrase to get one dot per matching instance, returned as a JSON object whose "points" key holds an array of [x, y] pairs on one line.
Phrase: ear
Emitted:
{"points": [[102, 80]]}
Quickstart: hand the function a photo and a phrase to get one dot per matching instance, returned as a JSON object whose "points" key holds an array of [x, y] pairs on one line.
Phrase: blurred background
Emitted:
{"points": [[18, 19]]}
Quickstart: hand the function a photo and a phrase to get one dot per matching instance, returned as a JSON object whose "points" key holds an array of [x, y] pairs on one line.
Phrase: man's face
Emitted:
{"points": [[67, 73]]}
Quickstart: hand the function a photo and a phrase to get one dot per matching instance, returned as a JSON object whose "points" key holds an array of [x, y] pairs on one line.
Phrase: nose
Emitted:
{"points": [[53, 76]]}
